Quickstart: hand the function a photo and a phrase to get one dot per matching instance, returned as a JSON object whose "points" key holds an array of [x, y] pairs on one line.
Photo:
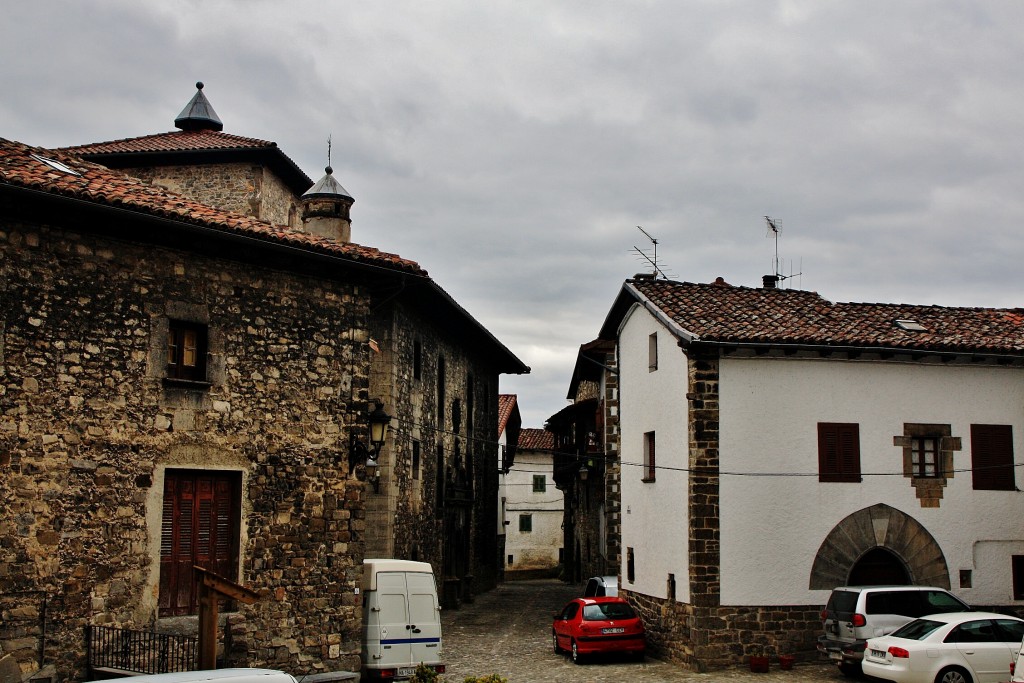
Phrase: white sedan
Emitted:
{"points": [[958, 647]]}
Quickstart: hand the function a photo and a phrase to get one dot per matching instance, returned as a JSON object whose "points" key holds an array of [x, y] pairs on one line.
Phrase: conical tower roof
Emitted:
{"points": [[327, 188], [198, 114]]}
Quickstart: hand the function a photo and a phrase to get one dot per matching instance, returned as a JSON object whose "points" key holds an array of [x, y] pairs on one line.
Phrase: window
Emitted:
{"points": [[439, 480], [652, 352], [526, 523], [838, 451], [200, 527], [649, 460], [440, 392], [186, 351], [924, 457], [671, 589], [966, 579], [1018, 576], [992, 457], [510, 558], [630, 566], [415, 459], [417, 359], [540, 483]]}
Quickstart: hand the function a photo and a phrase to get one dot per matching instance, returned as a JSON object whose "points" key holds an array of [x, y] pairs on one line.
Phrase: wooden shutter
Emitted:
{"points": [[839, 452], [992, 457], [200, 527]]}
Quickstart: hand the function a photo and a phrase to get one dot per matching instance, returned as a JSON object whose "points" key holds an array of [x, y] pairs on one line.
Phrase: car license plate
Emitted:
{"points": [[406, 671], [880, 654], [617, 629], [835, 655]]}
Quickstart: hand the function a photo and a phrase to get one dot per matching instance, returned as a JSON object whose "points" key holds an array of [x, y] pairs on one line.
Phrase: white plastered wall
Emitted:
{"points": [[654, 514], [772, 527]]}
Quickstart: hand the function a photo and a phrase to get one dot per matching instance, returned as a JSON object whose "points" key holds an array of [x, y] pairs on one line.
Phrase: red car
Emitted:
{"points": [[598, 625]]}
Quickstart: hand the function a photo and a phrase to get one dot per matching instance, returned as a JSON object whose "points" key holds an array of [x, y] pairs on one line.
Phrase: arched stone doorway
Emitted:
{"points": [[879, 544], [879, 567]]}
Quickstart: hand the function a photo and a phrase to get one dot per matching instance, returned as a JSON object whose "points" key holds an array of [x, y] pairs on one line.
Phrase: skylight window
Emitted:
{"points": [[911, 326], [56, 165]]}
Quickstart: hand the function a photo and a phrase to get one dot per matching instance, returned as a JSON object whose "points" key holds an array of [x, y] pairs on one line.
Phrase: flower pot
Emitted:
{"points": [[786, 662], [759, 664]]}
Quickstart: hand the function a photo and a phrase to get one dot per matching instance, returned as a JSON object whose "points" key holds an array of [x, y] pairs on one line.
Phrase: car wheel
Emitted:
{"points": [[850, 669], [639, 656], [554, 639], [577, 658], [953, 674]]}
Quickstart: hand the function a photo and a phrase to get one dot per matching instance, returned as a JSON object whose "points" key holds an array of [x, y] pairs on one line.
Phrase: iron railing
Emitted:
{"points": [[145, 652]]}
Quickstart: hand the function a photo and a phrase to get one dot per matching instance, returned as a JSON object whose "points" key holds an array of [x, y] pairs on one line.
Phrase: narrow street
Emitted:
{"points": [[508, 631]]}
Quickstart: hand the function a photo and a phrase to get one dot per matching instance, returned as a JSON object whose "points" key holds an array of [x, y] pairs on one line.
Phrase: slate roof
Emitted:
{"points": [[720, 313], [532, 439], [21, 167]]}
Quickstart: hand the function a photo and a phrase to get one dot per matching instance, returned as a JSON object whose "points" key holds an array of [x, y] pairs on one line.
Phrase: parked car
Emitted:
{"points": [[598, 625], [1017, 667], [956, 647], [219, 676], [599, 586], [855, 613]]}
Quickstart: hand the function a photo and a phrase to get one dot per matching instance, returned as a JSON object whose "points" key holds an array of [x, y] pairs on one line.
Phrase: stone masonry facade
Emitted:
{"points": [[438, 479], [89, 428]]}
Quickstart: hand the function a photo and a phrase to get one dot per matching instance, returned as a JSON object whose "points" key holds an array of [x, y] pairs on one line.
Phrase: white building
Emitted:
{"points": [[533, 508], [775, 444]]}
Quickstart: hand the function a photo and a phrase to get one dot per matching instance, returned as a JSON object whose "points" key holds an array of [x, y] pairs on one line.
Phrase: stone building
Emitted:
{"points": [[189, 349], [586, 464], [775, 445]]}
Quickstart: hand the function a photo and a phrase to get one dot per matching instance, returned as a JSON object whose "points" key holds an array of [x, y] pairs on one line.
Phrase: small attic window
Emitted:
{"points": [[911, 326], [56, 165]]}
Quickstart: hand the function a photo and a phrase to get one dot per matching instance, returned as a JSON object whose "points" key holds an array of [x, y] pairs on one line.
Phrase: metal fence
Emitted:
{"points": [[147, 652]]}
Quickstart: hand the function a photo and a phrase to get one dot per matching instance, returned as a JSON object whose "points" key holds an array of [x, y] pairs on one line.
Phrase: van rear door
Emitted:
{"points": [[424, 619], [393, 619]]}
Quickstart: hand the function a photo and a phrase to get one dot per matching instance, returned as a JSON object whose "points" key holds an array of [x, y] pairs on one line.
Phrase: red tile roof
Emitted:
{"points": [[174, 141], [506, 403], [720, 313], [103, 187], [531, 439]]}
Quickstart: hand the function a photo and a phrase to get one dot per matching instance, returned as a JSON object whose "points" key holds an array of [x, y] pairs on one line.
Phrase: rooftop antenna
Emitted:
{"points": [[653, 260], [777, 277]]}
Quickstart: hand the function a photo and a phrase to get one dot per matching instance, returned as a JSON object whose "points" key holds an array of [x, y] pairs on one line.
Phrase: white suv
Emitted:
{"points": [[855, 613]]}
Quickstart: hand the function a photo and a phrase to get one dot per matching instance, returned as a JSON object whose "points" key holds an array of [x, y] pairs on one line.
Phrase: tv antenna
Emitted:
{"points": [[653, 258], [775, 228]]}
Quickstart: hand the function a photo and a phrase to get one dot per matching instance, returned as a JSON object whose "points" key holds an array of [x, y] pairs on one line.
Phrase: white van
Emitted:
{"points": [[401, 619]]}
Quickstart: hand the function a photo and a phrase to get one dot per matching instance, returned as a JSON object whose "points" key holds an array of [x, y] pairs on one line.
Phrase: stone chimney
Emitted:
{"points": [[325, 209], [769, 281]]}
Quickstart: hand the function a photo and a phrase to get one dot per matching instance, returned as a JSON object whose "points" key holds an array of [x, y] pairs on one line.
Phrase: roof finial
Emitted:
{"points": [[198, 114]]}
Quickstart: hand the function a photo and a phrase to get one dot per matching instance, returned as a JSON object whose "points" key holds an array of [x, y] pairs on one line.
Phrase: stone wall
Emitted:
{"points": [[710, 638], [410, 518], [248, 189], [88, 428]]}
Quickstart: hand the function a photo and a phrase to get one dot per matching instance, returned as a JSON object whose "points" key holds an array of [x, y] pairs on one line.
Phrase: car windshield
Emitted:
{"points": [[918, 629], [608, 610]]}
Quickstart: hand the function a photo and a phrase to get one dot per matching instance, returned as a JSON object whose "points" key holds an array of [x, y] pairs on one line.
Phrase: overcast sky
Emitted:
{"points": [[512, 148]]}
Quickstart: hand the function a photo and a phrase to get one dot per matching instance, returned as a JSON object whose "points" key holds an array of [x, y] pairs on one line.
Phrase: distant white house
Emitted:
{"points": [[533, 508], [775, 444]]}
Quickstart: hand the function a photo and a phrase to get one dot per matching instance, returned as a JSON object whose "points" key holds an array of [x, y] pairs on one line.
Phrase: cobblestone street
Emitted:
{"points": [[508, 631]]}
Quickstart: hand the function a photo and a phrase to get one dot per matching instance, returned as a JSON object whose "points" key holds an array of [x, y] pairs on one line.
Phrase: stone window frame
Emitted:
{"points": [[185, 314], [929, 489]]}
